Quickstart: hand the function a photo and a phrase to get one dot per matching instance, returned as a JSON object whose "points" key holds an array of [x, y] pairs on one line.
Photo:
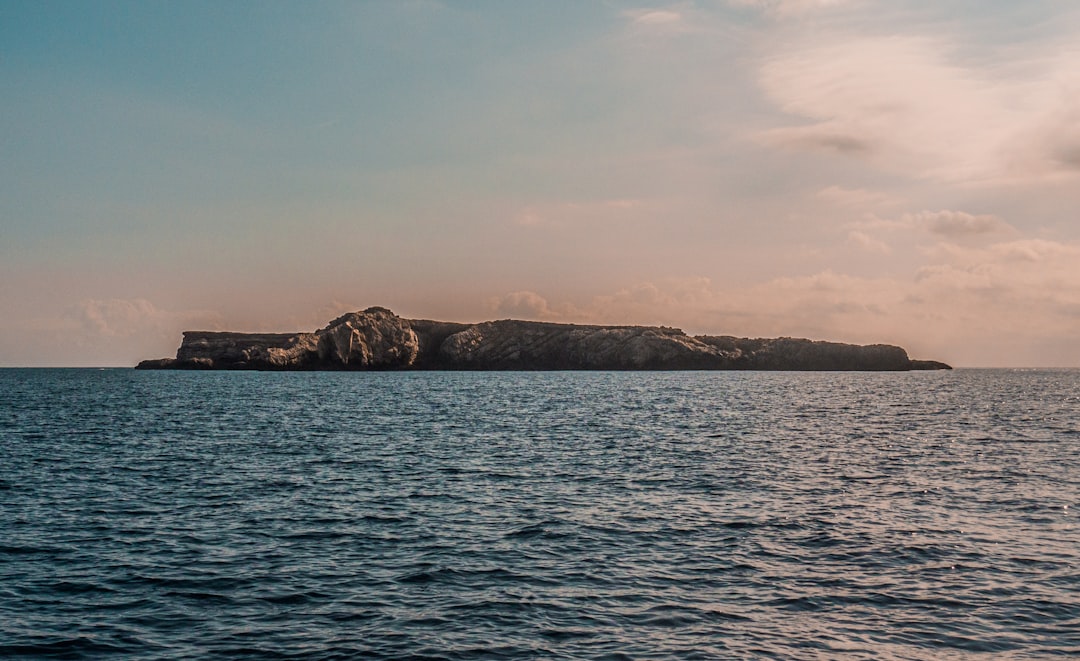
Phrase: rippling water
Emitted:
{"points": [[539, 515]]}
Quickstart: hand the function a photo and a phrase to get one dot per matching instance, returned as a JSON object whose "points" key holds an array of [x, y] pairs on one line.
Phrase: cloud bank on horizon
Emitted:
{"points": [[853, 170]]}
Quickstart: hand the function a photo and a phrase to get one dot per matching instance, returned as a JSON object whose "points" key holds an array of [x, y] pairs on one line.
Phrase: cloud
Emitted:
{"points": [[123, 318], [1069, 155], [910, 105], [866, 242], [956, 223], [830, 139], [948, 226], [1010, 303], [577, 213], [1036, 250], [671, 21], [98, 332], [652, 302], [654, 16], [787, 8], [523, 305], [113, 317], [857, 198]]}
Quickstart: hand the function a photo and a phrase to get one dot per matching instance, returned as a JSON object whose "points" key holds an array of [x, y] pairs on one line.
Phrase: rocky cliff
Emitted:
{"points": [[377, 339]]}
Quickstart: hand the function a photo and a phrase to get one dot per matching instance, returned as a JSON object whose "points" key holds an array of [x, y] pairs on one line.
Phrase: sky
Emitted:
{"points": [[894, 171]]}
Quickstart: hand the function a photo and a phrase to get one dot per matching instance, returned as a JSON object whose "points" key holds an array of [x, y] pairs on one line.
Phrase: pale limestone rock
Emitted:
{"points": [[375, 339]]}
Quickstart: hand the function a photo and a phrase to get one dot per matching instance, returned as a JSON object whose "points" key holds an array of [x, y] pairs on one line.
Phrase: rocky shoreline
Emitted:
{"points": [[378, 339]]}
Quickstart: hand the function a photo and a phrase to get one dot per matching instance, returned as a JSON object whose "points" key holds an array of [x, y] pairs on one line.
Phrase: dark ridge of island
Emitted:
{"points": [[378, 339]]}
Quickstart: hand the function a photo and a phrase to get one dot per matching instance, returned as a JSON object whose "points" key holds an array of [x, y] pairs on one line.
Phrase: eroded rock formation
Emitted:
{"points": [[378, 339], [373, 339]]}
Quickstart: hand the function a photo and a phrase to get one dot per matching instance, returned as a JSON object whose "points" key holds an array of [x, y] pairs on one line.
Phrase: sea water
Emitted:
{"points": [[563, 515]]}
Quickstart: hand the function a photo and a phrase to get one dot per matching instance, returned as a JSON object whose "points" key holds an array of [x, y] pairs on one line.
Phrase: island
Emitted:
{"points": [[378, 339]]}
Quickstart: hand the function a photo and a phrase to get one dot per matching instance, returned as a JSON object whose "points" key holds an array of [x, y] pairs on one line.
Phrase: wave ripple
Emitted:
{"points": [[539, 515]]}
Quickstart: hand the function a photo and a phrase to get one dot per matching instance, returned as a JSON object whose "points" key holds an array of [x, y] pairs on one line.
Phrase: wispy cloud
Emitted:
{"points": [[788, 8], [1027, 291], [866, 242], [563, 214], [908, 105], [956, 223], [946, 225], [99, 332], [654, 16], [848, 169], [860, 199], [121, 318]]}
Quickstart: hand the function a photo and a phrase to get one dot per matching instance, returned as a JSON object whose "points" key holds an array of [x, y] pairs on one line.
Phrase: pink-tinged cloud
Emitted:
{"points": [[908, 105], [864, 241], [124, 318], [1011, 303], [99, 332], [523, 305], [860, 199], [957, 223], [944, 225]]}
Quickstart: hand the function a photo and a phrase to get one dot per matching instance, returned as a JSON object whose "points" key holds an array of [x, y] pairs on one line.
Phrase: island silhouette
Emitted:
{"points": [[378, 339]]}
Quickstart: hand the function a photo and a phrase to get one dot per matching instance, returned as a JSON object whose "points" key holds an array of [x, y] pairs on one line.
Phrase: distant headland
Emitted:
{"points": [[378, 339]]}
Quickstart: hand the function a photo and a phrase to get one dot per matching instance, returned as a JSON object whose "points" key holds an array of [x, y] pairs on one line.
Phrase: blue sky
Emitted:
{"points": [[856, 170]]}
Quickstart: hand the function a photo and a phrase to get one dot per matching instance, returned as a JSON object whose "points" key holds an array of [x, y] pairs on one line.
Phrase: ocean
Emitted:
{"points": [[539, 515]]}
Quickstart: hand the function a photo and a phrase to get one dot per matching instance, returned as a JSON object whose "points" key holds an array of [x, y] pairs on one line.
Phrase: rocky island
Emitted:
{"points": [[378, 339]]}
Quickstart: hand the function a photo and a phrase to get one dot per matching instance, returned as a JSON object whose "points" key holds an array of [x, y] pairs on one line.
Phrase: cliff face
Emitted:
{"points": [[378, 339], [208, 350], [787, 353], [373, 339], [531, 345]]}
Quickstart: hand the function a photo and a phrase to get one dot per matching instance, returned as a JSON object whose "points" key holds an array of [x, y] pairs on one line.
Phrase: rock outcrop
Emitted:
{"points": [[929, 365], [211, 350], [534, 345], [377, 339], [788, 353], [373, 339]]}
